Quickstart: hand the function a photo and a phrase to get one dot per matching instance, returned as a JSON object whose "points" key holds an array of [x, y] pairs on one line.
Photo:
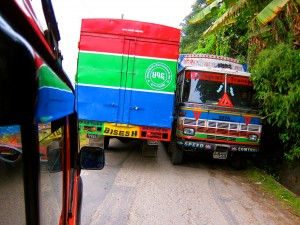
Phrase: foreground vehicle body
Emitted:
{"points": [[126, 80], [215, 111], [40, 163]]}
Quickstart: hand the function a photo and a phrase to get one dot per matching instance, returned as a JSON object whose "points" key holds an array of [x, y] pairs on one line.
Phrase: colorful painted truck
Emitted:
{"points": [[125, 81], [215, 110]]}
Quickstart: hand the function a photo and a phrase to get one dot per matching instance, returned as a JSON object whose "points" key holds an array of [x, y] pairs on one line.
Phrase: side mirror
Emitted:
{"points": [[9, 154], [92, 158]]}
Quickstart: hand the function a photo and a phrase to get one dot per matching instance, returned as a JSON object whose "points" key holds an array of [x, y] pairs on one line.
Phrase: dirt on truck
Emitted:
{"points": [[125, 81]]}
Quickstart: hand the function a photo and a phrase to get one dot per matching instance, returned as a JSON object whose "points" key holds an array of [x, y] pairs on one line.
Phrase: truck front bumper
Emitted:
{"points": [[188, 145]]}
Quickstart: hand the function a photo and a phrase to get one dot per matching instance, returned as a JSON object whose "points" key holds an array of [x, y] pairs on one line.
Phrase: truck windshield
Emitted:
{"points": [[203, 87], [208, 88], [240, 91]]}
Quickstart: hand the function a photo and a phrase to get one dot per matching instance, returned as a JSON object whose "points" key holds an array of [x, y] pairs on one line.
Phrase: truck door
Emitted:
{"points": [[127, 76], [150, 83], [101, 76]]}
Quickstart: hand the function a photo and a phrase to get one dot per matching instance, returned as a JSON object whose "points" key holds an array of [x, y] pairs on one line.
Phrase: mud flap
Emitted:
{"points": [[149, 148]]}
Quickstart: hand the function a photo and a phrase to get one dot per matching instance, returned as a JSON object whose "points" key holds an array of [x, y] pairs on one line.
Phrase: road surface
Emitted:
{"points": [[136, 190]]}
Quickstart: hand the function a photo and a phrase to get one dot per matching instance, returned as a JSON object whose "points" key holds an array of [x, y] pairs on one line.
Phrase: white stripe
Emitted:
{"points": [[50, 87], [121, 88]]}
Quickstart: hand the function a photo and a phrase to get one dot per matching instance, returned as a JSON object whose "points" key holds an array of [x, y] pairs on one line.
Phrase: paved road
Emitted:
{"points": [[137, 190]]}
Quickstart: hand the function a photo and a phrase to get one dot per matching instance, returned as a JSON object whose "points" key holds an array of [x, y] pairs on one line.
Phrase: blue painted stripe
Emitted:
{"points": [[125, 106], [54, 104]]}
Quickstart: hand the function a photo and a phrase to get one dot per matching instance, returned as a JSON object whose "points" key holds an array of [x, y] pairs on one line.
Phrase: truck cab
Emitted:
{"points": [[216, 112]]}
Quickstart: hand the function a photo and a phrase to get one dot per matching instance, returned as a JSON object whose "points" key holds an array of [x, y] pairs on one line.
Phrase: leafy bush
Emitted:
{"points": [[276, 79]]}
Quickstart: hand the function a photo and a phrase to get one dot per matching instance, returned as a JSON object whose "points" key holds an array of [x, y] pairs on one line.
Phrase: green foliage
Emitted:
{"points": [[191, 34], [231, 41], [206, 46], [276, 78]]}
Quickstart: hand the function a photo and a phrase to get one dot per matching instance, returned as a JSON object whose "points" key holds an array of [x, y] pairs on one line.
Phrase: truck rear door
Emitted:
{"points": [[126, 72]]}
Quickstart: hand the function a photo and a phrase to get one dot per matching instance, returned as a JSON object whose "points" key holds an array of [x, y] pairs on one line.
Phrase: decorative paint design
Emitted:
{"points": [[158, 76], [197, 114], [210, 61], [219, 127], [123, 130]]}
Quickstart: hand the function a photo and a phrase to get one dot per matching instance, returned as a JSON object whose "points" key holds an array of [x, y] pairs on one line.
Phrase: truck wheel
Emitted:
{"points": [[176, 153], [106, 142], [238, 161], [148, 150]]}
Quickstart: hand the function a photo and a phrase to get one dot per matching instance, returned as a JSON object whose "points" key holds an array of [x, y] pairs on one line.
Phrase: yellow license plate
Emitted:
{"points": [[121, 130]]}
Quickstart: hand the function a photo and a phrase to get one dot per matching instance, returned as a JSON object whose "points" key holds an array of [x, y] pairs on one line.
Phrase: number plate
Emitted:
{"points": [[92, 136], [152, 142], [220, 155]]}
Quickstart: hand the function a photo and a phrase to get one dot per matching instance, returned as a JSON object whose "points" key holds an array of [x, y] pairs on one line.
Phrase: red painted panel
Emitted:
{"points": [[155, 133], [108, 35], [131, 28], [107, 44]]}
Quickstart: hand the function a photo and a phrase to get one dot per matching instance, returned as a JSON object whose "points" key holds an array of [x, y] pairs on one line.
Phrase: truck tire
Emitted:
{"points": [[106, 142], [148, 150], [238, 161], [176, 152]]}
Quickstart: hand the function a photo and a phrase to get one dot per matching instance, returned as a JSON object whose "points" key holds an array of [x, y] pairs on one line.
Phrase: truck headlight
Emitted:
{"points": [[189, 131], [252, 137]]}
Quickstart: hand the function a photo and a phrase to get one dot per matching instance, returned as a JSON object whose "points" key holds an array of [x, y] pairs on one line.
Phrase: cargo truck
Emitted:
{"points": [[215, 110], [125, 81]]}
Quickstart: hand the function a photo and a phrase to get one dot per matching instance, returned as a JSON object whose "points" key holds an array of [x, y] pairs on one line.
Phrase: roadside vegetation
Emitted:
{"points": [[265, 36]]}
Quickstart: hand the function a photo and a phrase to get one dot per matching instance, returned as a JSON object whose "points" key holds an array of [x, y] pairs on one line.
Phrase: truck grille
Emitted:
{"points": [[220, 130]]}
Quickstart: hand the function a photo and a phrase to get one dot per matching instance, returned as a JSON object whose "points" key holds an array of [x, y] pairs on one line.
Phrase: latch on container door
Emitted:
{"points": [[112, 105], [136, 108]]}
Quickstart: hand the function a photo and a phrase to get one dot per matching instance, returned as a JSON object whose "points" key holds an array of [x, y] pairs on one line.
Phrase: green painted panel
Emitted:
{"points": [[204, 136], [121, 71], [49, 79]]}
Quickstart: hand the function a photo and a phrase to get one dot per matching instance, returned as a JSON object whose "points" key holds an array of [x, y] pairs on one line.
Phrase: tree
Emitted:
{"points": [[277, 82], [190, 34]]}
